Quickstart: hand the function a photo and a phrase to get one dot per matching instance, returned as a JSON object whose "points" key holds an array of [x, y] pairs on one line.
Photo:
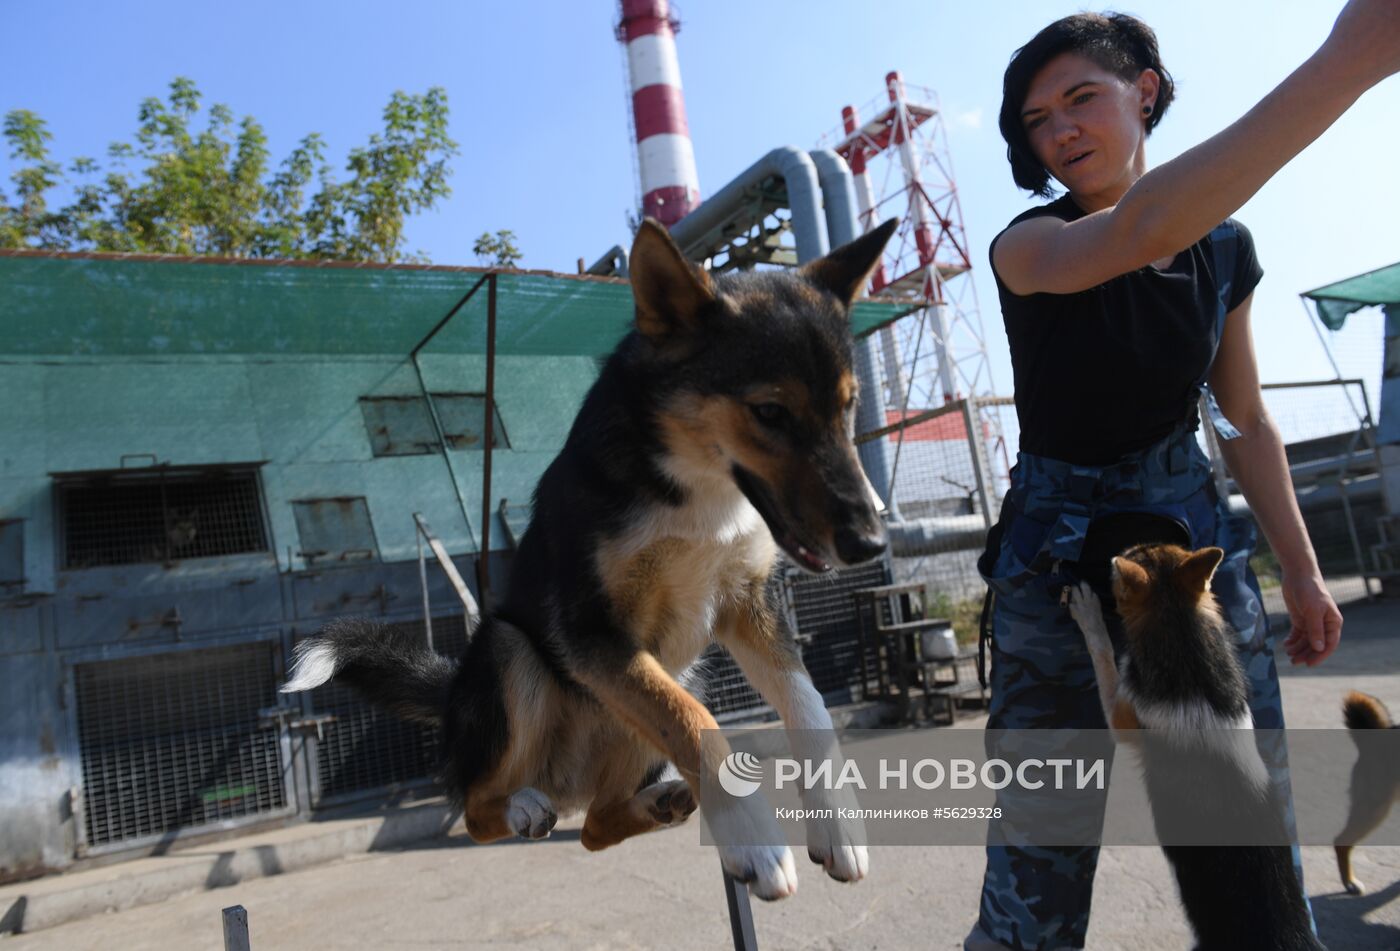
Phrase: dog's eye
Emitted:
{"points": [[770, 414]]}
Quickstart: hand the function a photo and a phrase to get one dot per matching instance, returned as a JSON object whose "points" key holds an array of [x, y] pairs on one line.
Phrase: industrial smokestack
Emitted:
{"points": [[665, 156]]}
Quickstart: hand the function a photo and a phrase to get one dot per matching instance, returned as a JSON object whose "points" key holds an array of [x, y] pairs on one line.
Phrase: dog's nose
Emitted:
{"points": [[854, 546]]}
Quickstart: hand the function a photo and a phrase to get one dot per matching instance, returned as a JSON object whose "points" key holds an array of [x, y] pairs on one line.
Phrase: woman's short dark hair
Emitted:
{"points": [[1119, 43]]}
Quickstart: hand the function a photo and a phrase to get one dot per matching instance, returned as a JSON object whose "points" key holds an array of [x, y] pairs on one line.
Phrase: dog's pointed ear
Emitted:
{"points": [[1195, 572], [846, 270], [671, 294], [1130, 577]]}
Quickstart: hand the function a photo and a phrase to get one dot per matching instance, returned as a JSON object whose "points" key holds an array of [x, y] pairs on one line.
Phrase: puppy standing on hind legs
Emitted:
{"points": [[1181, 684], [718, 432]]}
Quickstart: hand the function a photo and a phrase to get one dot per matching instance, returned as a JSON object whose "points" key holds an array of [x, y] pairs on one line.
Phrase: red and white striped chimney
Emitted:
{"points": [[665, 156]]}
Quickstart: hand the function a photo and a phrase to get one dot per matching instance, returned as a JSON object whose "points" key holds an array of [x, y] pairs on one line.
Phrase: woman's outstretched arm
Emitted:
{"points": [[1176, 204]]}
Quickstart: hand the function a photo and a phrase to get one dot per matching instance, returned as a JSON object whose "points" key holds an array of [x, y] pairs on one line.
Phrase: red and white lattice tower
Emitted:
{"points": [[665, 156], [899, 157]]}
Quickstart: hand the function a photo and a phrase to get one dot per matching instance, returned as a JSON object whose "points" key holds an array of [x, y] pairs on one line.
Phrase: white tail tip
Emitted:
{"points": [[315, 664]]}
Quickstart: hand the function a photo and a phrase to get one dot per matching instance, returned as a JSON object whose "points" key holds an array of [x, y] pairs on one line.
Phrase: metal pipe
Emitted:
{"points": [[842, 227], [699, 229], [936, 535], [483, 571], [613, 262]]}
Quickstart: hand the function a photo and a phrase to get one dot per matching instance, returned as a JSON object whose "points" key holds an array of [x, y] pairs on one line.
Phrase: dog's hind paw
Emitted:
{"points": [[531, 814], [1355, 887], [768, 870], [668, 803]]}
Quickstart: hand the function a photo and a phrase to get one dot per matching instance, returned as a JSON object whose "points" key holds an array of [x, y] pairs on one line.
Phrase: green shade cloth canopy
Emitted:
{"points": [[1335, 302], [108, 305]]}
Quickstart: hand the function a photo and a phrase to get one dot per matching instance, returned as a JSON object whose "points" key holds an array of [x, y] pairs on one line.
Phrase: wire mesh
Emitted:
{"points": [[364, 749], [173, 741], [825, 615], [939, 475], [727, 692], [1331, 450], [120, 519], [825, 609]]}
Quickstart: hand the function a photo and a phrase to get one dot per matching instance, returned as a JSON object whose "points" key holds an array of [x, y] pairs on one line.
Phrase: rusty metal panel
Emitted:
{"points": [[377, 589], [335, 531], [116, 613], [398, 425], [403, 426], [463, 417], [21, 627]]}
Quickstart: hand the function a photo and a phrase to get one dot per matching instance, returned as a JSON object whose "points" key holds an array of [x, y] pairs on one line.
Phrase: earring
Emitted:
{"points": [[1147, 110]]}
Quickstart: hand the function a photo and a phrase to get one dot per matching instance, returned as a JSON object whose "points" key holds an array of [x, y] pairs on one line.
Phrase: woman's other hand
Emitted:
{"points": [[1316, 624]]}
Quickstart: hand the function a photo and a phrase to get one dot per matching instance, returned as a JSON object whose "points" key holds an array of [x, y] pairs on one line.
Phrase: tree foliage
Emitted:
{"points": [[497, 250], [176, 189]]}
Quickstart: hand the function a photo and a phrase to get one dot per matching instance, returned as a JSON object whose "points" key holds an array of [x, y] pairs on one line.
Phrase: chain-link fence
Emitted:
{"points": [[949, 469], [1331, 446]]}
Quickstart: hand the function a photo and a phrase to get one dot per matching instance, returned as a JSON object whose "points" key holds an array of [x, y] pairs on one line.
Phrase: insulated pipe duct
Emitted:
{"points": [[936, 535], [843, 227], [613, 262], [700, 230]]}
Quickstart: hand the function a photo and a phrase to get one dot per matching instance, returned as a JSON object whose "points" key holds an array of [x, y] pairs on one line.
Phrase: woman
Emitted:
{"points": [[1123, 300]]}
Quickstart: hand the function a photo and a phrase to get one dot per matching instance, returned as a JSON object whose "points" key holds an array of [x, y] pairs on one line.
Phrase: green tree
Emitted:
{"points": [[181, 190], [497, 250]]}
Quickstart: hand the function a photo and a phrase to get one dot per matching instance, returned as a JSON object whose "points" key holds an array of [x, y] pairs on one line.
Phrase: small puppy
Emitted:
{"points": [[1180, 686]]}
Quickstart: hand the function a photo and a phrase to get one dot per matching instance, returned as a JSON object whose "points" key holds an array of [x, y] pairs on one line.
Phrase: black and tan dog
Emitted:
{"points": [[1375, 779], [1180, 696], [719, 432]]}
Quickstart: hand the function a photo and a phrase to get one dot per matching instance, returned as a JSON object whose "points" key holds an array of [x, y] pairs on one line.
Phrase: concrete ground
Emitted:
{"points": [[665, 889]]}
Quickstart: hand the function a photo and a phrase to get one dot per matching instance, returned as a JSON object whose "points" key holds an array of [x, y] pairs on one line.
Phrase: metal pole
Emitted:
{"points": [[432, 408], [236, 928], [981, 462], [423, 582], [483, 571], [736, 893], [449, 569]]}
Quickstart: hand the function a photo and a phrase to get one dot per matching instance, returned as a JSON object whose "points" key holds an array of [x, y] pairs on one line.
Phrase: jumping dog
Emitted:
{"points": [[718, 434]]}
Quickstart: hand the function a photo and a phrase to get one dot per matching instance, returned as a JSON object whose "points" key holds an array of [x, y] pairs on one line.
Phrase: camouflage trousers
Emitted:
{"points": [[1042, 676]]}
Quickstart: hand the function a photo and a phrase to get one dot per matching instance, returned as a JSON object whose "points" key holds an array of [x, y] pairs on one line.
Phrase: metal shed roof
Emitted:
{"points": [[54, 303]]}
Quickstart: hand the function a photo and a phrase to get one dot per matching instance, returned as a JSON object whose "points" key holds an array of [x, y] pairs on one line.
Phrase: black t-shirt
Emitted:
{"points": [[1110, 370]]}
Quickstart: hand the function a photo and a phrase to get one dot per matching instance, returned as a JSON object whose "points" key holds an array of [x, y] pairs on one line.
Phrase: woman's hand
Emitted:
{"points": [[1365, 40], [1316, 622]]}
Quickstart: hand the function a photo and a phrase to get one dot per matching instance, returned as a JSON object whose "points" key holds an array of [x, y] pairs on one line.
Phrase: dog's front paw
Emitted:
{"points": [[1355, 887], [531, 814], [843, 861], [751, 846], [836, 843], [768, 870], [1087, 611]]}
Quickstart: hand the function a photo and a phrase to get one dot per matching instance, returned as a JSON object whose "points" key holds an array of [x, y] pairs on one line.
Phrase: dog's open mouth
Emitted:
{"points": [[758, 497]]}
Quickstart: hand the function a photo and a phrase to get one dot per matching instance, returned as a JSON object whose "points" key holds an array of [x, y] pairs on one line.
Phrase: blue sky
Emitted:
{"points": [[539, 107]]}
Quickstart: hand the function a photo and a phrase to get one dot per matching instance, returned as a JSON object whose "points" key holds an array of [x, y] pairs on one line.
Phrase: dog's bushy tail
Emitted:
{"points": [[1364, 712], [391, 667]]}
